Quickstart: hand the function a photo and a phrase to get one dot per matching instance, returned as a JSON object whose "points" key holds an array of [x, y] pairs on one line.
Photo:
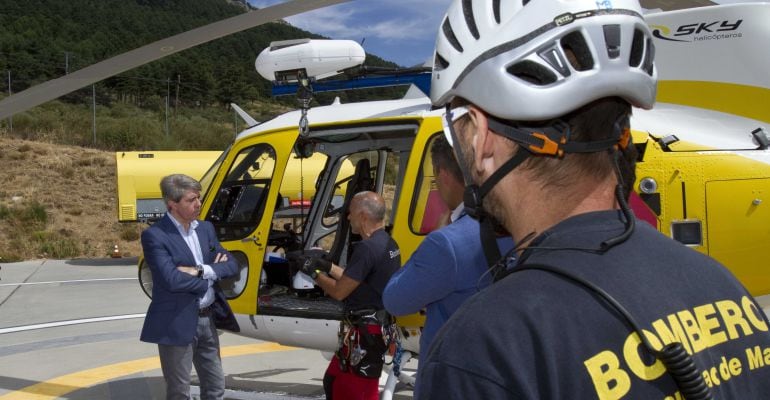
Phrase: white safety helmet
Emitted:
{"points": [[509, 57]]}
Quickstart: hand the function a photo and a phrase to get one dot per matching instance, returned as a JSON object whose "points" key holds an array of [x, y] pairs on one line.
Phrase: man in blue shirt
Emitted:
{"points": [[449, 266]]}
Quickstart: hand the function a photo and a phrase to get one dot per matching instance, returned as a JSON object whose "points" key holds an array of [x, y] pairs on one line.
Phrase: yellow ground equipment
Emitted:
{"points": [[139, 174]]}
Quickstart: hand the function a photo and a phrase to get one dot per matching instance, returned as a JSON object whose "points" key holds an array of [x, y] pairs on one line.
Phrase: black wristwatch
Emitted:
{"points": [[200, 270]]}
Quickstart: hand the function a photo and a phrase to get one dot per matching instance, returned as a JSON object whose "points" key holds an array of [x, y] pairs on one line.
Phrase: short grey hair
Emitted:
{"points": [[173, 187], [371, 204]]}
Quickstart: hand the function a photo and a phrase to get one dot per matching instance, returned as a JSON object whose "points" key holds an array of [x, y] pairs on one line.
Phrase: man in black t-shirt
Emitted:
{"points": [[538, 97], [355, 369]]}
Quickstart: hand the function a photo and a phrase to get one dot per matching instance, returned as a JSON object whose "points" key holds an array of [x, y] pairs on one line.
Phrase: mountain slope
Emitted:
{"points": [[44, 39], [58, 201]]}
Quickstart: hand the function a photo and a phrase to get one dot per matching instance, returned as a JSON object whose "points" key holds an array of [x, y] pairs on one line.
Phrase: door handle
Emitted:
{"points": [[253, 239]]}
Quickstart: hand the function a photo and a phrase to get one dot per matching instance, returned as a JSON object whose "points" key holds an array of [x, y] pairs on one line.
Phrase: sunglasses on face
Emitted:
{"points": [[449, 118]]}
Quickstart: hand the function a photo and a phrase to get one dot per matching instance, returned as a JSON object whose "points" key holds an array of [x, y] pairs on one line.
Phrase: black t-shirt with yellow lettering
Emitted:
{"points": [[535, 335]]}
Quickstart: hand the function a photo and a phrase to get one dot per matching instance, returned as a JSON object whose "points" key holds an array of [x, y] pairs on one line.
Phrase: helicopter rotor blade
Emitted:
{"points": [[668, 5], [54, 88]]}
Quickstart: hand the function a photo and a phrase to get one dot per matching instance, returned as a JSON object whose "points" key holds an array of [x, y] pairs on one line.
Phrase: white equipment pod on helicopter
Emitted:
{"points": [[284, 60]]}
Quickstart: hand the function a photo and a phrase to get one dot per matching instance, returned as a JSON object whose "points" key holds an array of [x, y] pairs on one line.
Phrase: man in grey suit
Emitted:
{"points": [[187, 305]]}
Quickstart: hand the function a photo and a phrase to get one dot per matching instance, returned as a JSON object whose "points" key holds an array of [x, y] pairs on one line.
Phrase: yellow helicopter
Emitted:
{"points": [[703, 176], [703, 173]]}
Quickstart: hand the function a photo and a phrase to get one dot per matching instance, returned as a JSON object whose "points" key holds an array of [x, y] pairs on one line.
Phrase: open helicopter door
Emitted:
{"points": [[361, 181], [242, 209]]}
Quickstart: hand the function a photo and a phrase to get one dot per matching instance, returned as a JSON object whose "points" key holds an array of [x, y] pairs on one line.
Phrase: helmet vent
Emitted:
{"points": [[553, 57], [496, 10], [532, 72], [612, 40], [649, 57], [469, 20], [440, 63], [637, 49], [577, 51], [450, 35]]}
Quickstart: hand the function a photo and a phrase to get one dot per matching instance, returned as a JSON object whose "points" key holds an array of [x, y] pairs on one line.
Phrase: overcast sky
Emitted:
{"points": [[402, 31]]}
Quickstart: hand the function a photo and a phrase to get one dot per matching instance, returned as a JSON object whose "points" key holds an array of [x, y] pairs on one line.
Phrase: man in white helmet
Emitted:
{"points": [[538, 95]]}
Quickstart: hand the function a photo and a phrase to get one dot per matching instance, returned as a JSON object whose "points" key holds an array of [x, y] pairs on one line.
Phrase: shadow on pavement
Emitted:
{"points": [[263, 374], [25, 386], [140, 387], [132, 387], [254, 382]]}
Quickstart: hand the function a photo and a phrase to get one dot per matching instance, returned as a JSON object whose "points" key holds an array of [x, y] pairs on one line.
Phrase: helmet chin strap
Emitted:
{"points": [[474, 195], [553, 141], [473, 198]]}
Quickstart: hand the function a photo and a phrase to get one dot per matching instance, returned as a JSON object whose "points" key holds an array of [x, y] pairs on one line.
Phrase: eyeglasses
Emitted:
{"points": [[449, 118]]}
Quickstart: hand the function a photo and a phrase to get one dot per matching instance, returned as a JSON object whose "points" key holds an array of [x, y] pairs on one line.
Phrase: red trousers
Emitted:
{"points": [[348, 385]]}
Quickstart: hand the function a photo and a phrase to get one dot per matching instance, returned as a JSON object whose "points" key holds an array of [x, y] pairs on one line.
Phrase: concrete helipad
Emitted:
{"points": [[70, 329]]}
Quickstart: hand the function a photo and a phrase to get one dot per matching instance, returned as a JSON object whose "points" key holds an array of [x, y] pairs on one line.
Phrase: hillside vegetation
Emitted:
{"points": [[45, 39], [179, 102], [58, 201], [58, 187], [57, 184]]}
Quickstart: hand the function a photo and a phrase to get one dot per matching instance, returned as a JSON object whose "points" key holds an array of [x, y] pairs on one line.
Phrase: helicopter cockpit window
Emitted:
{"points": [[428, 211], [369, 170], [240, 202], [350, 176], [298, 189], [208, 177]]}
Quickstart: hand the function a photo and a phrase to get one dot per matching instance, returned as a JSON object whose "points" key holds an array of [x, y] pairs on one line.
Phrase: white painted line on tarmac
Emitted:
{"points": [[72, 281], [66, 323]]}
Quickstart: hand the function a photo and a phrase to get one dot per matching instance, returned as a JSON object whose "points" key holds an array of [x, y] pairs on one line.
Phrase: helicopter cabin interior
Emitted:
{"points": [[376, 154]]}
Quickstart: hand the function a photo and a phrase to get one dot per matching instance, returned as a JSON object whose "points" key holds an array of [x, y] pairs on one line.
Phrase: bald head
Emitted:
{"points": [[370, 204]]}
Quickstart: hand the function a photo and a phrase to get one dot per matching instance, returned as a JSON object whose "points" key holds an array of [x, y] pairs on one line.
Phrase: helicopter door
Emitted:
{"points": [[361, 181], [241, 208], [419, 207]]}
